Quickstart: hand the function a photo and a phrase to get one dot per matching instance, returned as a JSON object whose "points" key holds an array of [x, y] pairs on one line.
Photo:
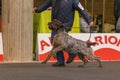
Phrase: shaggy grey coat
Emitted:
{"points": [[64, 42]]}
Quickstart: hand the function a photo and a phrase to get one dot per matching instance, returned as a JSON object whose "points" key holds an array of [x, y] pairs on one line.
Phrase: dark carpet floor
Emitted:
{"points": [[38, 71]]}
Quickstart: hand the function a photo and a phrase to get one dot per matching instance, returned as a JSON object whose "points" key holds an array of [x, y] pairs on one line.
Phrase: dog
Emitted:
{"points": [[64, 42]]}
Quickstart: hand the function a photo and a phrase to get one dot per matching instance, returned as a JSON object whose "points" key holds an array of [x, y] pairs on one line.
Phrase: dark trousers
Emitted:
{"points": [[118, 25]]}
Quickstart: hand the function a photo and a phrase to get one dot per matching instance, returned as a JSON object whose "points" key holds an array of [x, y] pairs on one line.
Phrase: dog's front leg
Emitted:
{"points": [[48, 57], [52, 52]]}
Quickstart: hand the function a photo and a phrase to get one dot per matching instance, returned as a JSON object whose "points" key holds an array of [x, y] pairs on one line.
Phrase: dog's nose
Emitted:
{"points": [[48, 23]]}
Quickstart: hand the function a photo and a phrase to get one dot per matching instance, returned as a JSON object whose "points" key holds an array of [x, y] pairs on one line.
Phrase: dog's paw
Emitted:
{"points": [[100, 66], [43, 62], [81, 66]]}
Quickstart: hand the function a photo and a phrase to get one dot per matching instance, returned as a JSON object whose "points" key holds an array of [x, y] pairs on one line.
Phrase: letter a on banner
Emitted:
{"points": [[43, 44]]}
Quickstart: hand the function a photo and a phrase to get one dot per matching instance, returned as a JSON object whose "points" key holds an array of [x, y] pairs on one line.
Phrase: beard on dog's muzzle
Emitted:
{"points": [[49, 23]]}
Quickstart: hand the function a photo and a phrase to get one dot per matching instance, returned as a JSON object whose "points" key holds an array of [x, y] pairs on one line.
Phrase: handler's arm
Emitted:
{"points": [[77, 5], [43, 7]]}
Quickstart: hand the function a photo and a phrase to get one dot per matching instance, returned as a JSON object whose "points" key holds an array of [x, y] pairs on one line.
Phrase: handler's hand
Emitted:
{"points": [[90, 24], [34, 9]]}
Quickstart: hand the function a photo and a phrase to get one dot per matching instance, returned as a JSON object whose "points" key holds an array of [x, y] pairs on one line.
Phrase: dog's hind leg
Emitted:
{"points": [[99, 61], [92, 57], [82, 57], [52, 52]]}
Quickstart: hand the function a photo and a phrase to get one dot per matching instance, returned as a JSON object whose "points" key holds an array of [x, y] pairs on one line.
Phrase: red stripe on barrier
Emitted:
{"points": [[104, 54], [108, 54], [1, 57], [43, 56]]}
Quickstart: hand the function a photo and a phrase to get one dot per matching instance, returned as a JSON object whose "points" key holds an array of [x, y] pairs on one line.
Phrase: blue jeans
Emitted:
{"points": [[60, 55]]}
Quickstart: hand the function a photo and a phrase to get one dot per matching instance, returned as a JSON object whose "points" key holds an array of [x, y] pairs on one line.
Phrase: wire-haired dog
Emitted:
{"points": [[64, 42]]}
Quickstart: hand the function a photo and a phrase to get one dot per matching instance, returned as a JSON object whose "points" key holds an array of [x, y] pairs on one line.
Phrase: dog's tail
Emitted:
{"points": [[91, 43]]}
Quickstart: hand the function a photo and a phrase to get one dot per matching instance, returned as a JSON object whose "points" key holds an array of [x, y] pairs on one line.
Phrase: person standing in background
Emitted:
{"points": [[84, 28], [117, 15], [64, 10]]}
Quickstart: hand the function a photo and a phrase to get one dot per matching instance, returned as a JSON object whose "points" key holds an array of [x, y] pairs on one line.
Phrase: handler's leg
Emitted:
{"points": [[71, 57], [60, 59], [59, 55]]}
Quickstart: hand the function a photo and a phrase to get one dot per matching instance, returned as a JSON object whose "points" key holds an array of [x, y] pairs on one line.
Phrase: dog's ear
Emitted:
{"points": [[49, 25], [61, 25], [67, 29]]}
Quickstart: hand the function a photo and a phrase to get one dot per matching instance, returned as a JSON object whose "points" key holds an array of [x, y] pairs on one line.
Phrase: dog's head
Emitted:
{"points": [[55, 24]]}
